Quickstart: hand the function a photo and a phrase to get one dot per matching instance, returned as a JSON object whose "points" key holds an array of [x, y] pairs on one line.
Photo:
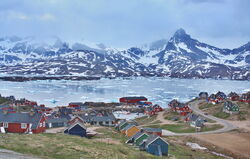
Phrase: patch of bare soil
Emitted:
{"points": [[236, 143], [242, 125]]}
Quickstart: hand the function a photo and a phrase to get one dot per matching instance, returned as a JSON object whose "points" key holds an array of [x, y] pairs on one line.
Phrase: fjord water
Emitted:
{"points": [[158, 90]]}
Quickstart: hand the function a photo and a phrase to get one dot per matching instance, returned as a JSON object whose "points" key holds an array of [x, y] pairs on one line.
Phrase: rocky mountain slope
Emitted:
{"points": [[181, 57]]}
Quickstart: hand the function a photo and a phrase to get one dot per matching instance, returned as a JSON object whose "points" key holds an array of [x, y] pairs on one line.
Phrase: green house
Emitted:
{"points": [[230, 107], [139, 139], [123, 125]]}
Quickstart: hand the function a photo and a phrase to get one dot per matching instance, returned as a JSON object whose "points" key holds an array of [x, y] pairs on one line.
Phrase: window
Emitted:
{"points": [[5, 125], [41, 125], [23, 125], [44, 124]]}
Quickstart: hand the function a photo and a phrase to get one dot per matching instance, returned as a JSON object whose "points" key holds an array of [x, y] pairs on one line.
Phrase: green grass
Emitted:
{"points": [[177, 128], [211, 127], [205, 106], [221, 115], [61, 146], [169, 115]]}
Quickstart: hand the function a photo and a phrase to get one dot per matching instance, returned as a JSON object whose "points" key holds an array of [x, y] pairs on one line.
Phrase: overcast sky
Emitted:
{"points": [[124, 23]]}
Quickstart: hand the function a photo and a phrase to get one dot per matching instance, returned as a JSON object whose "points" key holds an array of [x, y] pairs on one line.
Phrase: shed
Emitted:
{"points": [[156, 145], [155, 131], [77, 129]]}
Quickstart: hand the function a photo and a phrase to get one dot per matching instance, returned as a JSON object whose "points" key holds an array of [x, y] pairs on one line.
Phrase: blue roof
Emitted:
{"points": [[128, 127], [152, 129]]}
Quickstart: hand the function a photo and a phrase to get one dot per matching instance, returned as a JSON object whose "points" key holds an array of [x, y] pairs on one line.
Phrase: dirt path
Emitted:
{"points": [[237, 143], [160, 117], [244, 125]]}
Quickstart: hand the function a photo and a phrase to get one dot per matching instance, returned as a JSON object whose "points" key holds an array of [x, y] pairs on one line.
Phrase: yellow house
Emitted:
{"points": [[132, 131]]}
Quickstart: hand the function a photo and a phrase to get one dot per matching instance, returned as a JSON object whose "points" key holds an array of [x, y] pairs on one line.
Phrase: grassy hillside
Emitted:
{"points": [[109, 145], [216, 110]]}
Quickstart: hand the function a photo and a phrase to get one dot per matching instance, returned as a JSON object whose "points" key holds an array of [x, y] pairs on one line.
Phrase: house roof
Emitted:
{"points": [[128, 127], [152, 129], [57, 120], [232, 94], [221, 94], [21, 118], [109, 117], [76, 123], [152, 138], [199, 122]]}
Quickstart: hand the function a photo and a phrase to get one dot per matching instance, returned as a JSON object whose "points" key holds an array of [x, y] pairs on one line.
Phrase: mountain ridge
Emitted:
{"points": [[181, 56]]}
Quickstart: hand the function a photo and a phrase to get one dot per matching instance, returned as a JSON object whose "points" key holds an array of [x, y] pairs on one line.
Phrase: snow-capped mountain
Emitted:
{"points": [[181, 57]]}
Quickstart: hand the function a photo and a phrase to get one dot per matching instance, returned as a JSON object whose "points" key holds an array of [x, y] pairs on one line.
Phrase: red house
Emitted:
{"points": [[22, 122], [132, 100], [149, 111], [233, 96], [155, 131], [157, 108], [245, 97]]}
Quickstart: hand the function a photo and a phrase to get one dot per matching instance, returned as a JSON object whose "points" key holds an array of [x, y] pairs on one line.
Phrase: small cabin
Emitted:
{"points": [[77, 129], [230, 107], [153, 131], [155, 145], [233, 96]]}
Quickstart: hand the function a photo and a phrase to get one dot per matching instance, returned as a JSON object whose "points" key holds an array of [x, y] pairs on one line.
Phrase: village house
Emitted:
{"points": [[220, 96], [28, 122], [149, 111], [233, 96], [138, 138], [78, 129], [212, 98], [157, 108], [132, 100], [78, 105], [75, 119], [132, 131], [155, 145], [56, 122], [181, 108], [203, 95], [230, 108], [121, 124], [195, 121], [153, 131], [103, 120], [245, 97]]}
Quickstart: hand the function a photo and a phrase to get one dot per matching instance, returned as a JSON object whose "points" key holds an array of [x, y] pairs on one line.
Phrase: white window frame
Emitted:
{"points": [[41, 125], [23, 125], [5, 125], [44, 124]]}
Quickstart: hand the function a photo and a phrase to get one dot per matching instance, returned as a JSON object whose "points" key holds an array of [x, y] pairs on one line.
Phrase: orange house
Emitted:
{"points": [[124, 130], [132, 131]]}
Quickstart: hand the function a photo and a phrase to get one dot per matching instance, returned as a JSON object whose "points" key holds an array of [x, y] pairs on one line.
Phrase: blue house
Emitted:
{"points": [[155, 145], [76, 129]]}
